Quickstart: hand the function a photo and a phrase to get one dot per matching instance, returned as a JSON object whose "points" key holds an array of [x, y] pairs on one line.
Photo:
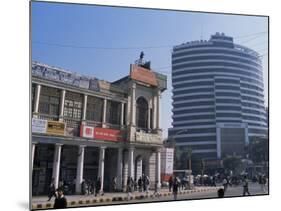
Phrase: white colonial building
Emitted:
{"points": [[85, 128]]}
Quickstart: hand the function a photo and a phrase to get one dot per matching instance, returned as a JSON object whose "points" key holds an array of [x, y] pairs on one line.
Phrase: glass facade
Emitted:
{"points": [[216, 81]]}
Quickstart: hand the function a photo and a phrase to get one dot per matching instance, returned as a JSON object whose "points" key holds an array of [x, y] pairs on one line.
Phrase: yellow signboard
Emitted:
{"points": [[55, 128]]}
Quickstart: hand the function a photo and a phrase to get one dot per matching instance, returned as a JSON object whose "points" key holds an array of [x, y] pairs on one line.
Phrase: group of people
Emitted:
{"points": [[175, 185], [142, 184], [89, 187]]}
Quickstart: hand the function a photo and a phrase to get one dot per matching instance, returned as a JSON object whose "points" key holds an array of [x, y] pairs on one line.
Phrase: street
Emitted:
{"points": [[108, 198]]}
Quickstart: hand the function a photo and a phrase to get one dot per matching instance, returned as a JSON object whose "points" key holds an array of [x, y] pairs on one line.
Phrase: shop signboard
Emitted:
{"points": [[167, 161], [143, 75], [86, 131], [108, 134], [39, 125], [56, 128]]}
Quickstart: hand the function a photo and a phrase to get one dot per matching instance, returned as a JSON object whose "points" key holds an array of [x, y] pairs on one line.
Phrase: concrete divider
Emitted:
{"points": [[79, 202]]}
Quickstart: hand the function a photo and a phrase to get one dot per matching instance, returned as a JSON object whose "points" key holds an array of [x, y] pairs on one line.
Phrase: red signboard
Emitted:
{"points": [[86, 131], [108, 134], [143, 75]]}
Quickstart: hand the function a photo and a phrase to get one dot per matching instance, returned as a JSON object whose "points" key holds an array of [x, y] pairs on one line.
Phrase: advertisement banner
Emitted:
{"points": [[86, 131], [143, 75], [56, 128], [108, 134], [167, 160], [39, 125]]}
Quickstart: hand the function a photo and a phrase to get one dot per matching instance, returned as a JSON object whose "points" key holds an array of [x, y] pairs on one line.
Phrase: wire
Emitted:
{"points": [[99, 47], [249, 35], [132, 47]]}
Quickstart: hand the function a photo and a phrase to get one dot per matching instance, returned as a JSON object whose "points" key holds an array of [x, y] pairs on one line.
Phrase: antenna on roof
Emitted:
{"points": [[201, 36]]}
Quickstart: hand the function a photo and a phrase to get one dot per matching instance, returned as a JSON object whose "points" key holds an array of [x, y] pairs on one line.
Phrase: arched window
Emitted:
{"points": [[142, 113]]}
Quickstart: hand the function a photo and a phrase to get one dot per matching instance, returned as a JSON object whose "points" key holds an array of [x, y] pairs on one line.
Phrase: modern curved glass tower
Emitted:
{"points": [[218, 99]]}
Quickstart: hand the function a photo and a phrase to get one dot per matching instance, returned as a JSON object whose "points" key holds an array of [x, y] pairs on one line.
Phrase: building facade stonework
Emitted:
{"points": [[84, 128]]}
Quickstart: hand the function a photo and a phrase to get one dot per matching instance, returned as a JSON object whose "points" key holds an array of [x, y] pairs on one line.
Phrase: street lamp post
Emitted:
{"points": [[189, 152]]}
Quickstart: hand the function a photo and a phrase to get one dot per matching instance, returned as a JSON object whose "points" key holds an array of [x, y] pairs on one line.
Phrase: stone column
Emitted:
{"points": [[148, 119], [128, 111], [133, 105], [101, 166], [56, 164], [122, 115], [37, 98], [119, 168], [62, 99], [158, 167], [125, 170], [154, 108], [32, 154], [158, 110], [104, 113], [131, 162], [80, 168], [84, 107], [139, 168]]}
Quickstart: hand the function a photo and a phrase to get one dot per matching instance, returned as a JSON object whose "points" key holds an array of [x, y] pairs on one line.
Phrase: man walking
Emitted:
{"points": [[245, 186], [52, 190], [175, 188], [60, 201]]}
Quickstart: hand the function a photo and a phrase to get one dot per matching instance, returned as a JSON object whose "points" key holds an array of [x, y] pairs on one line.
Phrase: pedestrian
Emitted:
{"points": [[83, 187], [221, 193], [170, 183], [129, 187], [156, 189], [140, 184], [93, 184], [98, 187], [144, 182], [175, 188], [245, 186], [147, 183], [60, 201], [224, 183], [52, 189], [214, 181], [114, 184]]}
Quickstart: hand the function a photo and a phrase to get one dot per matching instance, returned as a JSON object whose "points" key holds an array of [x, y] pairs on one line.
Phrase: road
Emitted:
{"points": [[198, 193], [254, 189]]}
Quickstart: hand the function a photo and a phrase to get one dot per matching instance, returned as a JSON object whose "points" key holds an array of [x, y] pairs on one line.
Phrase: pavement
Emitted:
{"points": [[40, 202]]}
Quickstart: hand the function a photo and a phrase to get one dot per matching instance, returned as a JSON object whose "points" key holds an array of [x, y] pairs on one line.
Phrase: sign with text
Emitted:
{"points": [[167, 160], [56, 128], [108, 134], [86, 131], [143, 75], [39, 125]]}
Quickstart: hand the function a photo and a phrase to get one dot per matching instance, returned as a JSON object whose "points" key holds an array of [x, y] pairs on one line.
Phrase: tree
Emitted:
{"points": [[232, 163], [258, 150]]}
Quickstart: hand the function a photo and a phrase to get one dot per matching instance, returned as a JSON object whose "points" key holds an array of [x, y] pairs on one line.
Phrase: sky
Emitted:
{"points": [[103, 41]]}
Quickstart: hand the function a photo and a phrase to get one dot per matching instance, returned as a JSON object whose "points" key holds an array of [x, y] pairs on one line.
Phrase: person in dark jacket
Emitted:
{"points": [[140, 184], [175, 187], [98, 186], [170, 183], [52, 190], [60, 201]]}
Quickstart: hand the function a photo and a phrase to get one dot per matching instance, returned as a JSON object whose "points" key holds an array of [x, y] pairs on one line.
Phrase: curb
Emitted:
{"points": [[75, 203]]}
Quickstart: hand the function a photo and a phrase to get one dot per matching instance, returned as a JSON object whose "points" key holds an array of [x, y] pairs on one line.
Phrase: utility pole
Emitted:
{"points": [[189, 153]]}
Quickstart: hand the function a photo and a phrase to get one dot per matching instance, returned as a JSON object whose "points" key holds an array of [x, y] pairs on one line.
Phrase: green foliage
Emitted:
{"points": [[232, 163], [258, 150]]}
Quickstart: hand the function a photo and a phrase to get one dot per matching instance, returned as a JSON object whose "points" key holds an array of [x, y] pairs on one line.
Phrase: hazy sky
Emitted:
{"points": [[103, 41]]}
